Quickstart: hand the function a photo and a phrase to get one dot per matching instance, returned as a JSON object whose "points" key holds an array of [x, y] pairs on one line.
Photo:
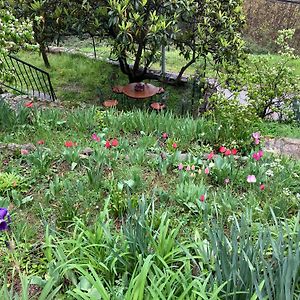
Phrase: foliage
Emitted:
{"points": [[9, 182], [215, 31], [137, 30], [49, 20], [235, 121], [10, 119], [167, 212], [40, 160], [267, 267], [210, 30], [14, 34]]}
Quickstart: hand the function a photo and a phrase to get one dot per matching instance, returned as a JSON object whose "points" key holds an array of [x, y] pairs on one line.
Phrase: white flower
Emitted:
{"points": [[286, 192], [270, 173]]}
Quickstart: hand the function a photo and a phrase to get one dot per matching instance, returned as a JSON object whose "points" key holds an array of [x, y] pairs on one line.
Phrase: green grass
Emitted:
{"points": [[275, 58], [275, 129], [174, 61], [76, 79]]}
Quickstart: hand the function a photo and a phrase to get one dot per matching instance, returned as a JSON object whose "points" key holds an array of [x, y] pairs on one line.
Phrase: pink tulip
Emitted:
{"points": [[251, 178], [210, 155], [95, 137], [206, 171], [258, 155], [202, 198], [24, 152], [180, 166], [227, 180], [227, 152], [256, 135]]}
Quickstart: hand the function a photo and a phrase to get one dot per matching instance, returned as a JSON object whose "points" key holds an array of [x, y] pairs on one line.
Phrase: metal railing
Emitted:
{"points": [[28, 79]]}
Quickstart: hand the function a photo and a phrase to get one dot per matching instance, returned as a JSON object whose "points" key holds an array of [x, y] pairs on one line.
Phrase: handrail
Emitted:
{"points": [[28, 79]]}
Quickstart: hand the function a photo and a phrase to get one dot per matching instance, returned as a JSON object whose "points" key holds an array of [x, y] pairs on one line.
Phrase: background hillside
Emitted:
{"points": [[265, 18]]}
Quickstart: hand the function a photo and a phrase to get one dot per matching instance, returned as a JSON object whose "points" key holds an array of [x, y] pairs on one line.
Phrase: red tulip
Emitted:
{"points": [[69, 144], [107, 144], [202, 198], [234, 151], [114, 143], [41, 142], [262, 187], [227, 152], [222, 149], [28, 104], [174, 145]]}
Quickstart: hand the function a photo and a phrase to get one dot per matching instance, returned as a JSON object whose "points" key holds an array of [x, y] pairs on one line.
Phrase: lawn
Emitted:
{"points": [[132, 205], [78, 80], [173, 60]]}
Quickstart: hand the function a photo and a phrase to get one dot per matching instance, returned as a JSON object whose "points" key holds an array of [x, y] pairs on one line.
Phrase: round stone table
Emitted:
{"points": [[149, 91]]}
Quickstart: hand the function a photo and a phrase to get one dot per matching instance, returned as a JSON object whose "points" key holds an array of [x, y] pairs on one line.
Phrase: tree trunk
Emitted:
{"points": [[184, 68], [44, 55], [140, 74], [94, 46]]}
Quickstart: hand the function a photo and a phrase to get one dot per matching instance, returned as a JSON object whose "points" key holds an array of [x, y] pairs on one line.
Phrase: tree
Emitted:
{"points": [[138, 30], [210, 30], [49, 19], [14, 35], [53, 19]]}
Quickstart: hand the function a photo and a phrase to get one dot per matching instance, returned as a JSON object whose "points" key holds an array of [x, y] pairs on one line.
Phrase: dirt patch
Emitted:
{"points": [[15, 101]]}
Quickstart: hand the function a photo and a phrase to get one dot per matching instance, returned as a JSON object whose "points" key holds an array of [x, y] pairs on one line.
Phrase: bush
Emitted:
{"points": [[272, 87], [234, 121]]}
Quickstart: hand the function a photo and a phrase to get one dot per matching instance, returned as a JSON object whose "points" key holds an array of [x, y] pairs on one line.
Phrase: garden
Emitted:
{"points": [[128, 203]]}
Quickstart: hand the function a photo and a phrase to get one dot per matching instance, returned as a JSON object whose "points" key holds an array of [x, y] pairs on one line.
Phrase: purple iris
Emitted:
{"points": [[4, 219]]}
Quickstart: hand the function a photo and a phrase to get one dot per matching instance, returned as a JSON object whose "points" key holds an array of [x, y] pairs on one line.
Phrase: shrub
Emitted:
{"points": [[234, 121], [272, 87]]}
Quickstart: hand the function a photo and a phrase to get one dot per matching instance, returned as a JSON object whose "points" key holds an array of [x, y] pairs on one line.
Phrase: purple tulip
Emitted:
{"points": [[4, 219]]}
